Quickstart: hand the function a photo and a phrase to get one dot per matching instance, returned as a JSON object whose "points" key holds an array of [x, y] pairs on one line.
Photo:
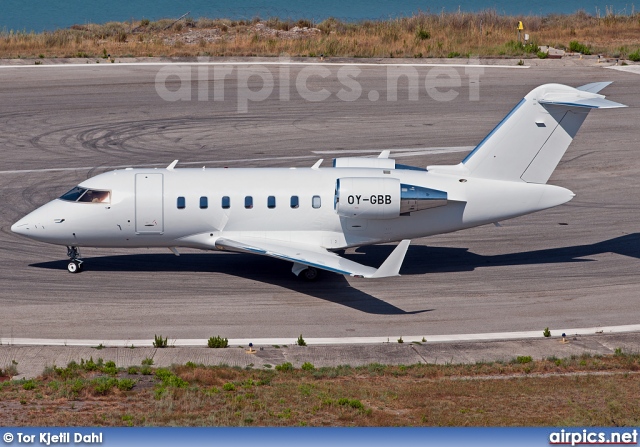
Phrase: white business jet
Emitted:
{"points": [[304, 215]]}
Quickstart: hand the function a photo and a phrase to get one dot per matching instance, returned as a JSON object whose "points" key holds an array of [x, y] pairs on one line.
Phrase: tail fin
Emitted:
{"points": [[529, 142]]}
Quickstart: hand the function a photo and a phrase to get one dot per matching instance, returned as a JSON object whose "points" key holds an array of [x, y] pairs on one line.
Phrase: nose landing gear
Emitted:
{"points": [[75, 265]]}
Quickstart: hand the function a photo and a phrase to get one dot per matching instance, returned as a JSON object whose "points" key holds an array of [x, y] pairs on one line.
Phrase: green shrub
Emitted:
{"points": [[29, 385], [353, 403], [514, 47], [126, 384], [112, 371], [147, 361], [453, 54], [300, 341], [524, 359], [422, 34], [217, 342], [145, 371], [110, 368], [308, 366], [286, 366], [169, 379], [132, 370], [160, 342], [617, 351], [542, 55], [578, 47], [400, 340], [546, 332], [229, 386], [102, 385], [90, 365], [635, 56], [10, 370]]}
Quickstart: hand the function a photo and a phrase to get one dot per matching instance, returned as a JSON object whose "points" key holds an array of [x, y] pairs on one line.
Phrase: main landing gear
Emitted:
{"points": [[305, 272], [310, 274], [75, 265]]}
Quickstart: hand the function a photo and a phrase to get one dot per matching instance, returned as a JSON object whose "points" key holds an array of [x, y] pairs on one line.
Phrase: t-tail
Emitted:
{"points": [[529, 142]]}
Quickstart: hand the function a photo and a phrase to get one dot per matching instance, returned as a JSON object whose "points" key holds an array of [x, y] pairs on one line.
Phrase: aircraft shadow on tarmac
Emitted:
{"points": [[335, 288], [423, 259], [329, 287]]}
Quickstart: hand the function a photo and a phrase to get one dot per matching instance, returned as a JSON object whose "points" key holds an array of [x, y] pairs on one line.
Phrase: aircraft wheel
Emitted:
{"points": [[74, 267], [310, 274]]}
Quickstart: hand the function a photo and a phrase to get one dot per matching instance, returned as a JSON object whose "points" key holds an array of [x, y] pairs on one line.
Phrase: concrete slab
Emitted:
{"points": [[33, 359]]}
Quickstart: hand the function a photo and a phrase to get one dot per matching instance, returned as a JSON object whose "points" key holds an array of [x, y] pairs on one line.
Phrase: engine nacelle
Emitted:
{"points": [[368, 198]]}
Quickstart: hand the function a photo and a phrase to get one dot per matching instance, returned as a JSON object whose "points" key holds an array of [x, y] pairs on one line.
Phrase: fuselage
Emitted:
{"points": [[194, 207]]}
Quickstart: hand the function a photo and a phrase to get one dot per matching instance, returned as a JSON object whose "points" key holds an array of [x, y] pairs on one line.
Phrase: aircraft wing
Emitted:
{"points": [[310, 256]]}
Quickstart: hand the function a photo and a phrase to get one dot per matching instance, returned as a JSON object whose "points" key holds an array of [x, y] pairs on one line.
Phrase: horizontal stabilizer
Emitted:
{"points": [[318, 257], [576, 101], [594, 87]]}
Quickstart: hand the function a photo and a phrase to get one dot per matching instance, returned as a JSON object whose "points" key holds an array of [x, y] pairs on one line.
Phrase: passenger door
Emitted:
{"points": [[149, 204]]}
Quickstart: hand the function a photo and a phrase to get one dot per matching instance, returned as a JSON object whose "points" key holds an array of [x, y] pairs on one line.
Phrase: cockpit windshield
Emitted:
{"points": [[79, 194]]}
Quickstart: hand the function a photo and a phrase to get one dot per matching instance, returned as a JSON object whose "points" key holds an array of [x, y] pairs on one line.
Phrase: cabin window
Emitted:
{"points": [[204, 203], [271, 202], [295, 202], [182, 203], [226, 202], [248, 202], [316, 202]]}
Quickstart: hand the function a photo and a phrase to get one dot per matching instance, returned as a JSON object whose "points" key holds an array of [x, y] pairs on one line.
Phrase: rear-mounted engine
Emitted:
{"points": [[382, 198]]}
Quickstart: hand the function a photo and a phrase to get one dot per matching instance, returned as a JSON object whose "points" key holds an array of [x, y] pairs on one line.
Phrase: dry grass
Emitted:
{"points": [[593, 391], [484, 34]]}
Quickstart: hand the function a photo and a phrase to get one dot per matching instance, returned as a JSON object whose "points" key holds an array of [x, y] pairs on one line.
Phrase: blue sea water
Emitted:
{"points": [[41, 15]]}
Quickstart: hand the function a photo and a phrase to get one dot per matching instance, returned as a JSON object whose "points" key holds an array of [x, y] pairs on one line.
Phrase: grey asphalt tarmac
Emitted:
{"points": [[572, 266]]}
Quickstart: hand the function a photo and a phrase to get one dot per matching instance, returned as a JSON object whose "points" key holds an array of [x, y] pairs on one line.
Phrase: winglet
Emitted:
{"points": [[317, 164], [172, 165], [384, 154], [391, 267]]}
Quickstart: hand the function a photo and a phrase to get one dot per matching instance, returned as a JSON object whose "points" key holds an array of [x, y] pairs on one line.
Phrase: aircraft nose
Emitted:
{"points": [[20, 227]]}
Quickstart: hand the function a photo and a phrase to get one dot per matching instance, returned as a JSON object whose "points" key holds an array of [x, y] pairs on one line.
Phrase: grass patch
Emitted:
{"points": [[482, 394], [578, 47], [484, 34]]}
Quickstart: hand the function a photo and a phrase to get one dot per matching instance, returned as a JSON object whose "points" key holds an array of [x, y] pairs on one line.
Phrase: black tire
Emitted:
{"points": [[310, 274], [73, 267]]}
